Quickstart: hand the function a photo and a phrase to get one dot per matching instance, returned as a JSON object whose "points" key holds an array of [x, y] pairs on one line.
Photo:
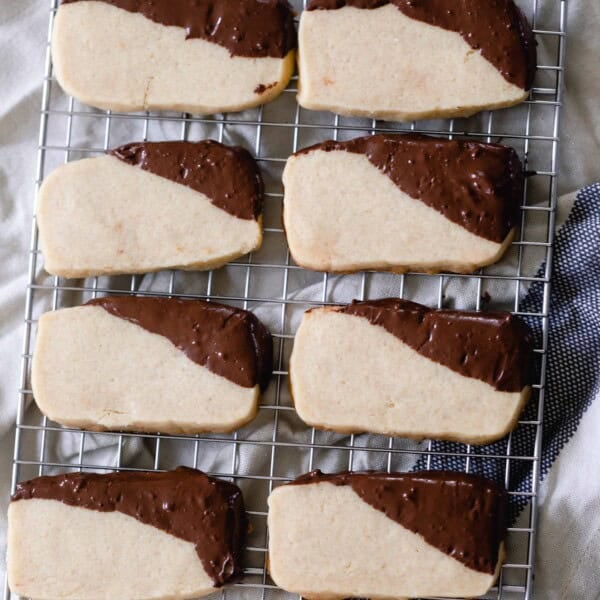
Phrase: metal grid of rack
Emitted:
{"points": [[277, 446]]}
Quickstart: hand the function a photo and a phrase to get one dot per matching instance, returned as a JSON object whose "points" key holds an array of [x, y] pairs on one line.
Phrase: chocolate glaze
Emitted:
{"points": [[253, 28], [494, 347], [228, 176], [262, 88], [228, 341], [496, 27], [475, 185], [462, 515], [184, 503]]}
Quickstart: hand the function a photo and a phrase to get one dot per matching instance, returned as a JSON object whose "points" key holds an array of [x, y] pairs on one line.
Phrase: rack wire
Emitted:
{"points": [[277, 446]]}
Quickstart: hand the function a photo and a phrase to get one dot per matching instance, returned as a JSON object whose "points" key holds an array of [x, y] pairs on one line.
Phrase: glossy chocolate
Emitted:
{"points": [[252, 28], [228, 341], [462, 515], [475, 185], [495, 27], [228, 176], [184, 503], [494, 347]]}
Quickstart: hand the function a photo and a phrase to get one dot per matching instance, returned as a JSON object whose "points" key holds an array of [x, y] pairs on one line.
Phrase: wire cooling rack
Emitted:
{"points": [[277, 446]]}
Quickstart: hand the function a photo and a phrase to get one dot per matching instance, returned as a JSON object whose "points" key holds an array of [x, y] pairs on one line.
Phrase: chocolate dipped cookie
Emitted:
{"points": [[387, 535], [398, 368], [401, 202], [195, 56], [404, 60], [150, 536], [151, 206], [152, 365]]}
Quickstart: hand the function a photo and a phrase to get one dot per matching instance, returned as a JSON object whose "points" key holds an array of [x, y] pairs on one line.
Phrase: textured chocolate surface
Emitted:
{"points": [[253, 28], [475, 185], [228, 341], [184, 503], [492, 347], [228, 176], [495, 27], [462, 515]]}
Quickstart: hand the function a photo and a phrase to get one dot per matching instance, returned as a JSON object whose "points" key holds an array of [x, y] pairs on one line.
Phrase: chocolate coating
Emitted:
{"points": [[475, 185], [494, 347], [253, 28], [228, 341], [184, 503], [262, 88], [462, 515], [228, 176], [497, 28]]}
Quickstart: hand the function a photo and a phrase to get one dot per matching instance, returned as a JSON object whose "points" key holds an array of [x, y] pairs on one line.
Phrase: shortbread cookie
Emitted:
{"points": [[196, 56], [404, 60], [151, 364], [401, 202], [149, 536], [398, 368], [379, 535], [151, 206]]}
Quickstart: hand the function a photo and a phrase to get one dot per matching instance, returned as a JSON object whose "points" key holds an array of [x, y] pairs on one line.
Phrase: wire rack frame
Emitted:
{"points": [[536, 138]]}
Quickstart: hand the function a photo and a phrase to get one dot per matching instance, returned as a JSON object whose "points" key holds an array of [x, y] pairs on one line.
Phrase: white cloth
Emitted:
{"points": [[568, 544], [23, 32], [569, 522]]}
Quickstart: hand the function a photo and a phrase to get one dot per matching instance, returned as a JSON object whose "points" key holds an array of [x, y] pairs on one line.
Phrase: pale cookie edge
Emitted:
{"points": [[430, 269]]}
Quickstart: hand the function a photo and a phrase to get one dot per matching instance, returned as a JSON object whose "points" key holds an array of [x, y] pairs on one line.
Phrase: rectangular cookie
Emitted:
{"points": [[379, 535], [152, 365], [403, 60], [398, 368], [401, 202], [195, 56], [151, 206], [149, 536]]}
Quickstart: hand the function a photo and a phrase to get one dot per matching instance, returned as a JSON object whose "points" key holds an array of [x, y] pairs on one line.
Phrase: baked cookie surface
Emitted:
{"points": [[386, 535], [151, 536], [152, 365], [151, 206], [401, 202], [398, 368], [406, 60], [196, 56]]}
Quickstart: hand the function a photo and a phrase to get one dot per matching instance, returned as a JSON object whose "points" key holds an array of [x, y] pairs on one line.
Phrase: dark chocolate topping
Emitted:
{"points": [[228, 341], [261, 88], [253, 28], [459, 514], [492, 347], [475, 185], [185, 503], [228, 176], [496, 27]]}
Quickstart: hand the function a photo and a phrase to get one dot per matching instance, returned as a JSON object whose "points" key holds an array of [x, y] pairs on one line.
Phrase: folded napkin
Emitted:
{"points": [[568, 551]]}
